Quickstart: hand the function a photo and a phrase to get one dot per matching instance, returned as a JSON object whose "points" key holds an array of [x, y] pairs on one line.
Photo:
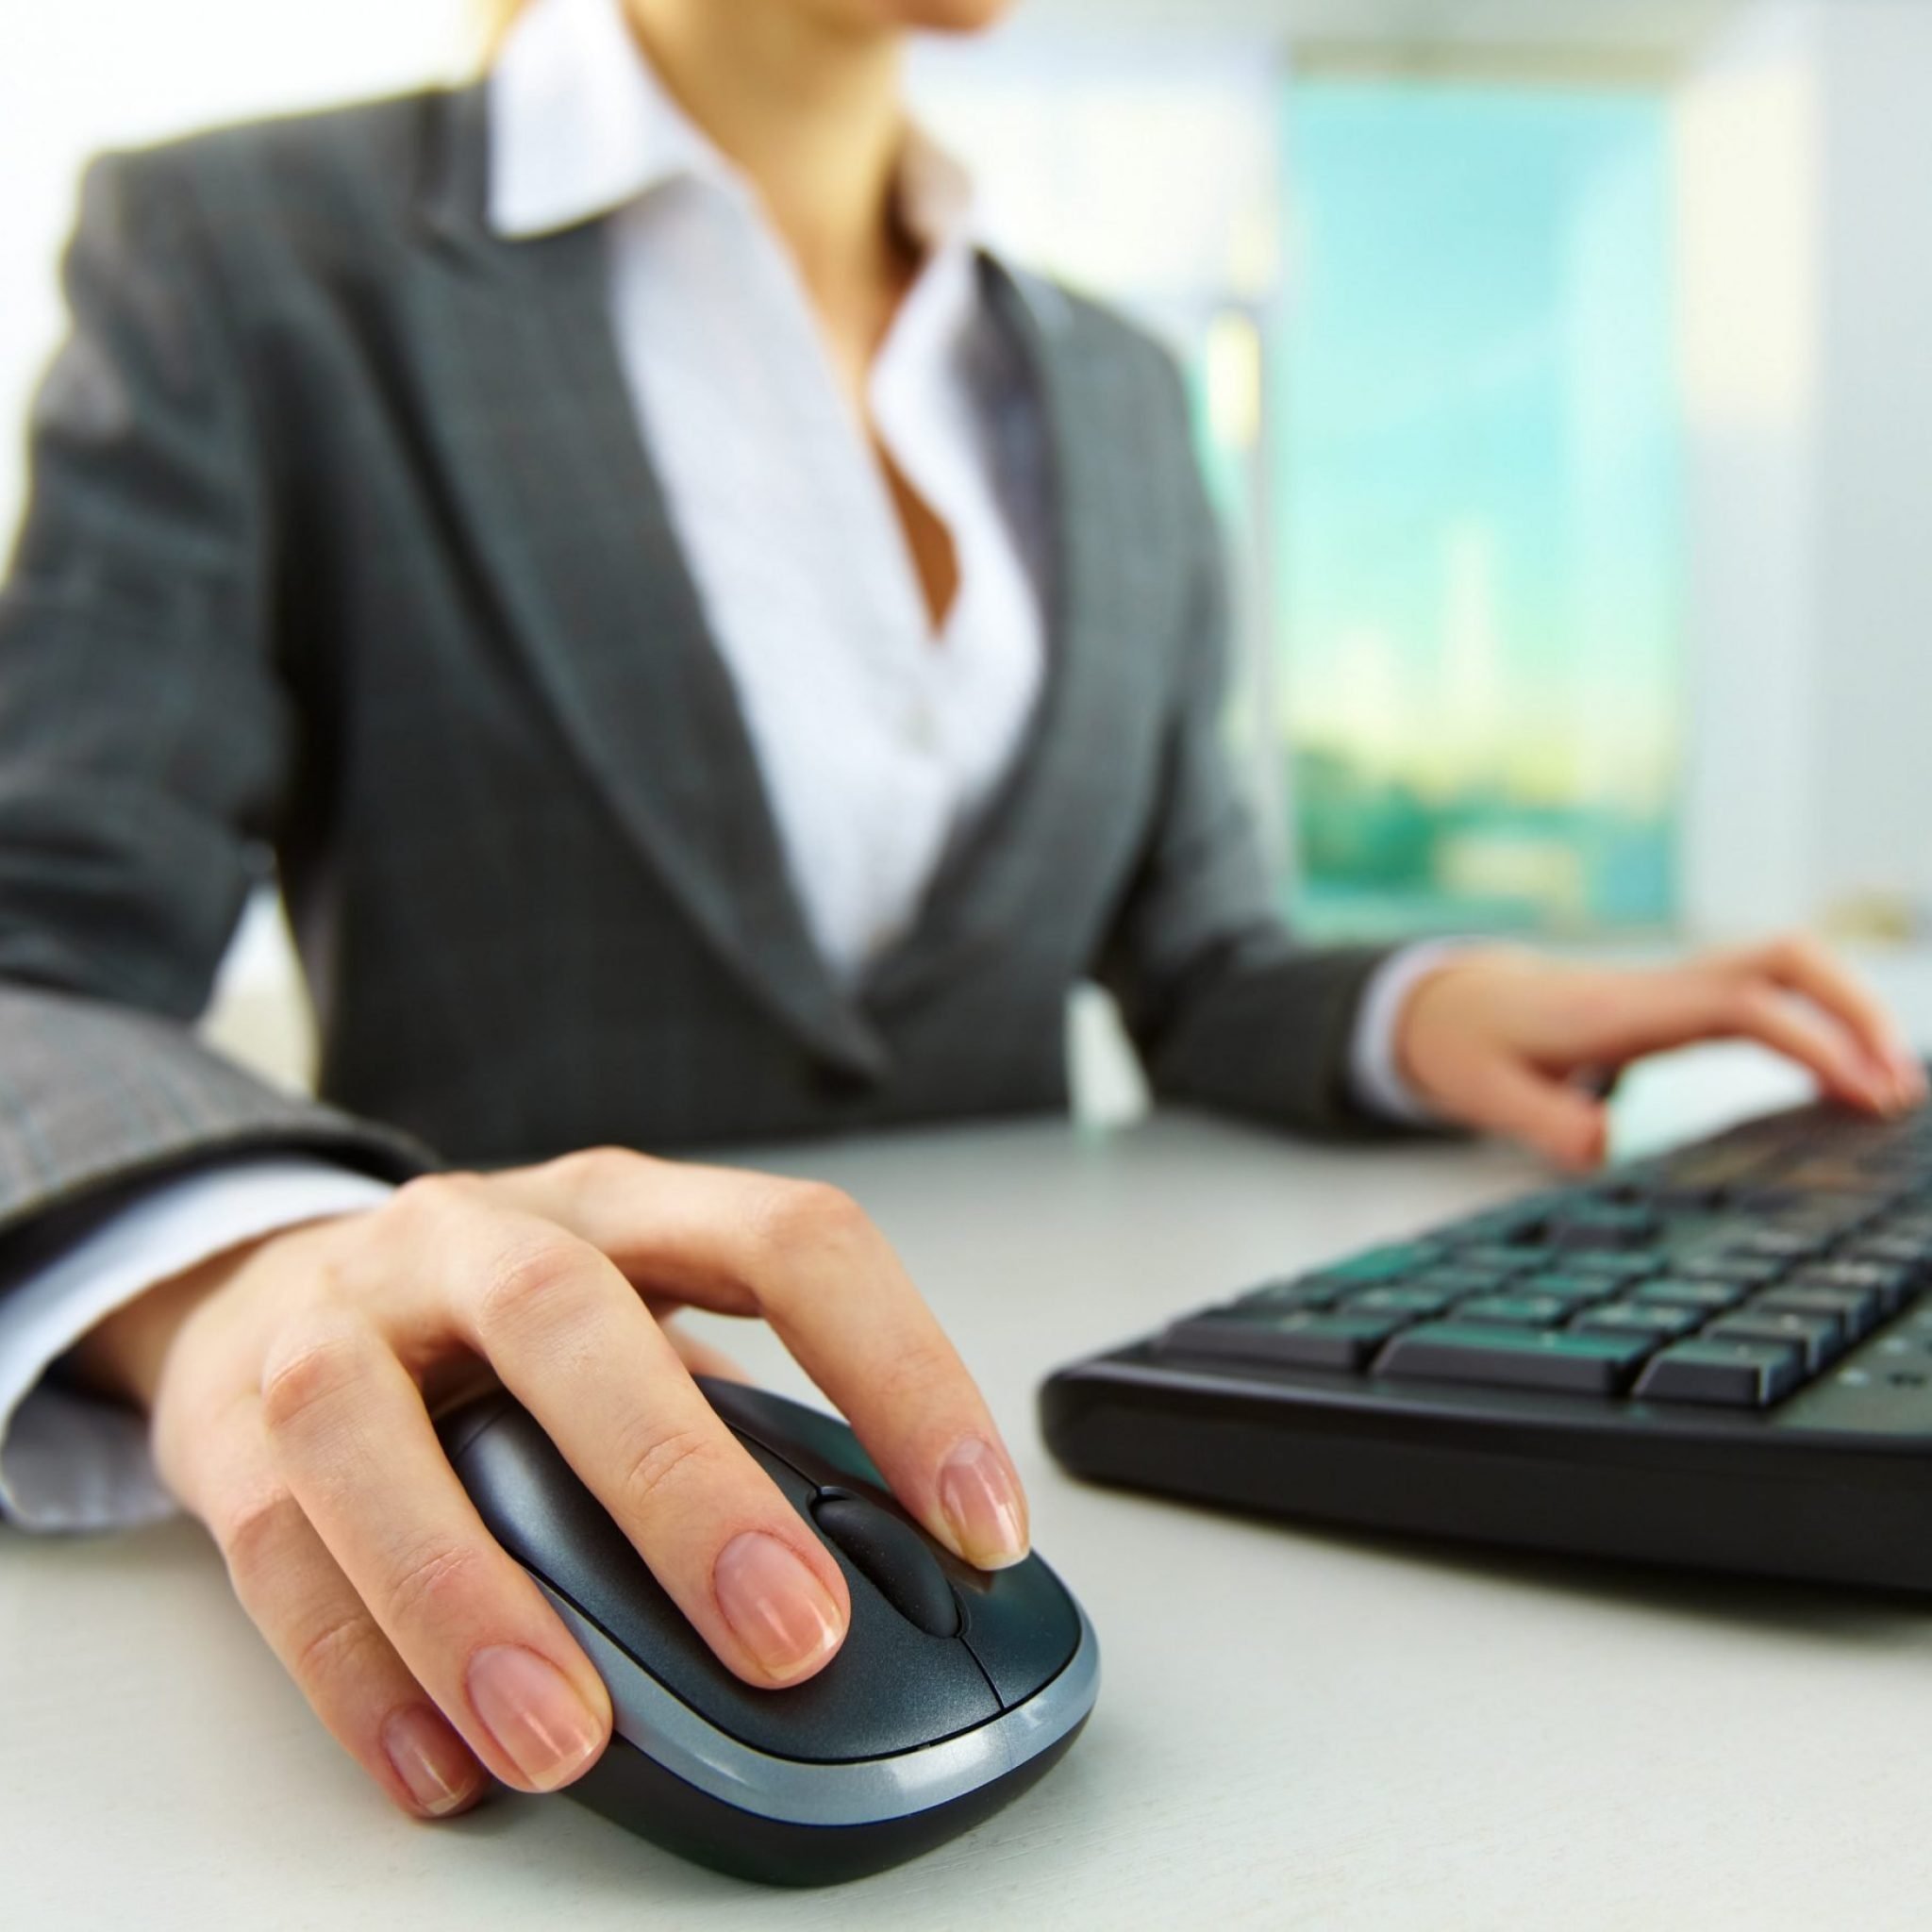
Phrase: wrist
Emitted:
{"points": [[1426, 1013], [126, 1355]]}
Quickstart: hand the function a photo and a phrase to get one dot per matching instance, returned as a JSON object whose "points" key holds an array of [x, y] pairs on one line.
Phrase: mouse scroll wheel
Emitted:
{"points": [[892, 1558]]}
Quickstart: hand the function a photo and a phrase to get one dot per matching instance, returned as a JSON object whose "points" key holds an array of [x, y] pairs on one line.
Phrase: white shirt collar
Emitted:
{"points": [[580, 126]]}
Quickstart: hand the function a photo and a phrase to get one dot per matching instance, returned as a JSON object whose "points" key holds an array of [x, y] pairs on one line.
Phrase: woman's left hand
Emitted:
{"points": [[1506, 1041]]}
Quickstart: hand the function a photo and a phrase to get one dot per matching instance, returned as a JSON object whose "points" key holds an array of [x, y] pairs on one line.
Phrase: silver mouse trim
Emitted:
{"points": [[863, 1791]]}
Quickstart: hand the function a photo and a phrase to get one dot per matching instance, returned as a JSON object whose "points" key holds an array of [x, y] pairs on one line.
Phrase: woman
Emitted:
{"points": [[712, 655]]}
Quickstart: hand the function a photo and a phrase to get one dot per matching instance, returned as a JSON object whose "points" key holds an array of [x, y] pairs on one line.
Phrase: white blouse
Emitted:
{"points": [[878, 738]]}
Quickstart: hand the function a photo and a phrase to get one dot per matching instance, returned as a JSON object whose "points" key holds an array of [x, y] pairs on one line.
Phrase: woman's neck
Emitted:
{"points": [[811, 111]]}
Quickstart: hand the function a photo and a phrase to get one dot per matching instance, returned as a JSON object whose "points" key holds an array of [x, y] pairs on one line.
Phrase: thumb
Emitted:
{"points": [[1561, 1122]]}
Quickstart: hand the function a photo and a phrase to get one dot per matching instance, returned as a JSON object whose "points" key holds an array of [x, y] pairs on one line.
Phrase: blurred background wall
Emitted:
{"points": [[1560, 371]]}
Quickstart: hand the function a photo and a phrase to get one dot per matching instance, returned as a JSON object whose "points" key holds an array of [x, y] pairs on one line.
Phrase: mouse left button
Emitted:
{"points": [[892, 1556]]}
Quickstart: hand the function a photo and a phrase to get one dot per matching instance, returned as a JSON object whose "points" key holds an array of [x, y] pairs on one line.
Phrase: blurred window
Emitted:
{"points": [[1473, 508]]}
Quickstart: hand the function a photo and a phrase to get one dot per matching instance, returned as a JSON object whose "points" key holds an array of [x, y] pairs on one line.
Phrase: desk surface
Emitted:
{"points": [[1295, 1728]]}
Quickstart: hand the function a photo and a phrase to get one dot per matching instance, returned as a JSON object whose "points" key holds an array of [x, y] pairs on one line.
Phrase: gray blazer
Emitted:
{"points": [[343, 557]]}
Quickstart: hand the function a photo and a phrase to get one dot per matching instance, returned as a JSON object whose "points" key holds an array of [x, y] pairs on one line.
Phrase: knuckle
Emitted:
{"points": [[253, 1532], [658, 1468], [1796, 951], [1598, 1004], [429, 1197], [915, 1369], [306, 1372], [790, 1217], [427, 1580], [585, 1170], [334, 1648], [528, 1282]]}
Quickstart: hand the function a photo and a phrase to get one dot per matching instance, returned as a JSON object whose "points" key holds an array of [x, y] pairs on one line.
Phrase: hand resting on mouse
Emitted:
{"points": [[290, 1386]]}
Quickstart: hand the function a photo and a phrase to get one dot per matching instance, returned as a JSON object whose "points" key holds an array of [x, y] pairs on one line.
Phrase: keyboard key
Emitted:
{"points": [[1520, 1222], [1668, 1194], [1891, 1284], [1861, 1198], [1303, 1294], [1826, 1175], [1817, 1337], [1728, 1375], [1658, 1320], [1903, 1251], [1413, 1302], [1807, 1216], [1700, 1179], [1857, 1311], [1777, 1244], [1579, 1290], [1381, 1264], [1605, 1224], [1719, 1162], [1909, 1258], [1615, 1266], [1554, 1360], [1863, 1271], [1300, 1338], [1493, 1260], [1752, 1270], [1515, 1310], [1673, 1291], [1456, 1282]]}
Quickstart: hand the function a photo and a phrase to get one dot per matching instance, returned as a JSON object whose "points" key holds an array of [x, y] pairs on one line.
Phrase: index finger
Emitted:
{"points": [[1803, 966], [806, 1259], [575, 1345]]}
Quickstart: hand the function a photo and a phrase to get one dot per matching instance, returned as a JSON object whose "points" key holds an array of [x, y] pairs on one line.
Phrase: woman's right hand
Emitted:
{"points": [[290, 1385]]}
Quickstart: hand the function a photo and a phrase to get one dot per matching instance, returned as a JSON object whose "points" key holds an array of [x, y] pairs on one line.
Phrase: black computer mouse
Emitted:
{"points": [[955, 1688]]}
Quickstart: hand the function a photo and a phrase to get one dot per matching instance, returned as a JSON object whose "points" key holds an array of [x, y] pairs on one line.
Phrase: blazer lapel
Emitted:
{"points": [[1003, 871], [542, 441]]}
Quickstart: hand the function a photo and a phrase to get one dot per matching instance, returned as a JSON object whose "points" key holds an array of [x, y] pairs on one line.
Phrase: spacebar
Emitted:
{"points": [[1515, 1357]]}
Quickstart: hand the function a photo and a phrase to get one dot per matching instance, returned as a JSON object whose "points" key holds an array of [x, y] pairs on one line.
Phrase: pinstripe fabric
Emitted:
{"points": [[343, 548]]}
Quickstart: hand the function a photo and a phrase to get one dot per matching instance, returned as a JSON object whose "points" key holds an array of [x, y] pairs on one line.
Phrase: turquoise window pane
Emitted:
{"points": [[1477, 514]]}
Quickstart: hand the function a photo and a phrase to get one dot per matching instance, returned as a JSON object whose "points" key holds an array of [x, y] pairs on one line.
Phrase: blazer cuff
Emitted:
{"points": [[97, 1099], [74, 1461], [1376, 1080]]}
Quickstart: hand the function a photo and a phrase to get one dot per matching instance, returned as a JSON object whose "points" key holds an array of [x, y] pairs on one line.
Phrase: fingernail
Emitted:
{"points": [[1872, 1083], [430, 1759], [779, 1611], [546, 1727], [982, 1505]]}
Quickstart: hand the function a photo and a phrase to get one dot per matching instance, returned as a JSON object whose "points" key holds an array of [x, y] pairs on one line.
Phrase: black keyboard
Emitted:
{"points": [[1721, 1357]]}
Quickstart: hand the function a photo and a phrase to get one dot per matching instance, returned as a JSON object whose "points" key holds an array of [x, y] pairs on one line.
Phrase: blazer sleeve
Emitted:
{"points": [[145, 736], [1227, 1007]]}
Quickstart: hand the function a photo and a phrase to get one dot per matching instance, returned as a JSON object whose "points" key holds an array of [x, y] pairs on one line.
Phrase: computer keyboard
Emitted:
{"points": [[1720, 1358]]}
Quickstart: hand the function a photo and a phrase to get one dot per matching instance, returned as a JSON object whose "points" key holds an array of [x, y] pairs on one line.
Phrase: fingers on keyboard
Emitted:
{"points": [[1728, 1275]]}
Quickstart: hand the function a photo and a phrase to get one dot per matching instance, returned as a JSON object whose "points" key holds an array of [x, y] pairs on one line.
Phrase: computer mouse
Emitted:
{"points": [[955, 1688]]}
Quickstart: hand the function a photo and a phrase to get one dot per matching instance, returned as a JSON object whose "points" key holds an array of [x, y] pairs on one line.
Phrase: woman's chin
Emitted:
{"points": [[940, 16]]}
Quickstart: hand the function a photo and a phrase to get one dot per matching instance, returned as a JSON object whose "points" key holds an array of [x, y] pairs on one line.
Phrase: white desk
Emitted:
{"points": [[1295, 1729]]}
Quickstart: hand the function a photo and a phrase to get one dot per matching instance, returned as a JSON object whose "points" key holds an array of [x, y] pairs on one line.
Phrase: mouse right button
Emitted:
{"points": [[1021, 1626], [892, 1556]]}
